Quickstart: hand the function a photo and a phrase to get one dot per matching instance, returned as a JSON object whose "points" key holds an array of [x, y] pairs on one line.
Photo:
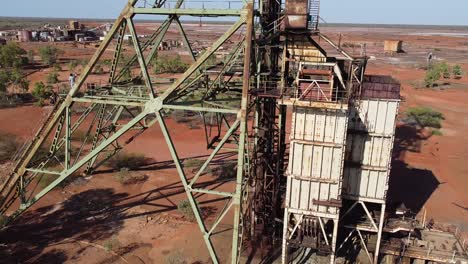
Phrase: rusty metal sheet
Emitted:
{"points": [[296, 14]]}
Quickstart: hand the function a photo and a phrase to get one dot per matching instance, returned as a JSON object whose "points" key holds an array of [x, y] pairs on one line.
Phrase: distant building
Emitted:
{"points": [[2, 42], [393, 46], [24, 36], [74, 25]]}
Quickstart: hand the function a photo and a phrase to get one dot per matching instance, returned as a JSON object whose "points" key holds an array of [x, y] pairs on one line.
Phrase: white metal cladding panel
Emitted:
{"points": [[319, 125], [365, 183], [374, 116], [301, 194], [315, 161], [368, 150]]}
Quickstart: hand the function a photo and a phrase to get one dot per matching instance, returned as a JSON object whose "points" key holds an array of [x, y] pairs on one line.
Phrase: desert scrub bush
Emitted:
{"points": [[130, 161], [425, 117], [168, 65], [98, 69], [185, 209], [8, 146], [49, 55], [41, 91], [432, 76], [180, 117], [193, 163], [57, 67], [437, 132], [176, 257], [52, 77], [226, 171], [457, 71], [126, 177], [112, 244], [444, 69]]}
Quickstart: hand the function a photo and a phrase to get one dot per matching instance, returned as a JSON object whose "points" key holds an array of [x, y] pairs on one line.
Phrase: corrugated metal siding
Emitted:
{"points": [[368, 150], [315, 168], [374, 116], [302, 193], [318, 125], [365, 183], [369, 146]]}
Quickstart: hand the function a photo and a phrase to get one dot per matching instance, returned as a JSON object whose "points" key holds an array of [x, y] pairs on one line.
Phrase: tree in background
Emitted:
{"points": [[41, 91], [49, 55], [12, 56], [52, 77], [12, 60]]}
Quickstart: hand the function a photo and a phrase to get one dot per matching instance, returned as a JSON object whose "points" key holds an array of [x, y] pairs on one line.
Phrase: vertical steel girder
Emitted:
{"points": [[151, 105]]}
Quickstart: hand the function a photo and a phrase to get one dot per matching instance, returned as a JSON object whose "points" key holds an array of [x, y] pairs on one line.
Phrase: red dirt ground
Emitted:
{"points": [[78, 223]]}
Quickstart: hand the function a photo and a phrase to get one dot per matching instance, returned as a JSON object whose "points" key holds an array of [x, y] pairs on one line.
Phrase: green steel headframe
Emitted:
{"points": [[114, 114]]}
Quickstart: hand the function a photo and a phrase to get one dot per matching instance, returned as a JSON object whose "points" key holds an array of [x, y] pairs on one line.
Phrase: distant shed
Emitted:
{"points": [[393, 46]]}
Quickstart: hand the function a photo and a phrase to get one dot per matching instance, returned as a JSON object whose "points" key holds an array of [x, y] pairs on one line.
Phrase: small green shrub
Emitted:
{"points": [[107, 62], [52, 77], [126, 177], [40, 102], [111, 244], [193, 163], [437, 132], [185, 209], [57, 67], [169, 65], [49, 54], [130, 161], [432, 76], [457, 71], [226, 171], [41, 91], [444, 69], [24, 85], [425, 116], [98, 69], [176, 258]]}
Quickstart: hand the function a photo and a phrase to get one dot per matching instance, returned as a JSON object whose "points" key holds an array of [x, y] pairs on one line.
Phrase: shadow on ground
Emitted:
{"points": [[408, 185]]}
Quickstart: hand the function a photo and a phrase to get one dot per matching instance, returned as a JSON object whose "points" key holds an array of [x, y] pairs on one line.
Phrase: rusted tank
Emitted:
{"points": [[296, 14]]}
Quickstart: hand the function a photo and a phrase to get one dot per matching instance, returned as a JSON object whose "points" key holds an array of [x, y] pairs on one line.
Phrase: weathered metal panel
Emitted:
{"points": [[363, 149], [369, 146], [316, 162], [315, 170], [301, 195], [365, 183], [296, 14], [319, 125], [374, 116]]}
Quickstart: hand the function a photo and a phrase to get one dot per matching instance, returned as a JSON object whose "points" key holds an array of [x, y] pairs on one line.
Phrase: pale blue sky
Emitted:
{"points": [[447, 12]]}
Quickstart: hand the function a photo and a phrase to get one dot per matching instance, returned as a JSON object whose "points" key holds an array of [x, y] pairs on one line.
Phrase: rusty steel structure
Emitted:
{"points": [[320, 192]]}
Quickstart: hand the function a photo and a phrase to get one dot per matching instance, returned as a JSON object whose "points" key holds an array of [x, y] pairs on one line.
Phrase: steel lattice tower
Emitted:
{"points": [[270, 67]]}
